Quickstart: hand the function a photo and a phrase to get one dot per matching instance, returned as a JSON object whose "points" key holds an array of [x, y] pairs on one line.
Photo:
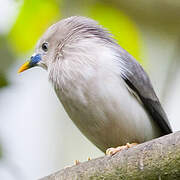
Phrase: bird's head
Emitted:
{"points": [[75, 44], [46, 49]]}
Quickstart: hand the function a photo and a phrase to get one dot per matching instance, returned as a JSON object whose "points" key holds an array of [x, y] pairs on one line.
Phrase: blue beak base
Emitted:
{"points": [[34, 60]]}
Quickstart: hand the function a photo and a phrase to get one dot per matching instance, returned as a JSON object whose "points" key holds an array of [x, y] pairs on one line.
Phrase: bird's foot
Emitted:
{"points": [[112, 151], [78, 162]]}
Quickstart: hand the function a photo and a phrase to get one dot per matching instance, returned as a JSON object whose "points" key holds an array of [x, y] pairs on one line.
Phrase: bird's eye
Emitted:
{"points": [[45, 46]]}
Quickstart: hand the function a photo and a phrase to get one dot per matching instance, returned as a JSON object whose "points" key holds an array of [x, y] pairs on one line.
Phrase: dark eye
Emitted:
{"points": [[45, 46]]}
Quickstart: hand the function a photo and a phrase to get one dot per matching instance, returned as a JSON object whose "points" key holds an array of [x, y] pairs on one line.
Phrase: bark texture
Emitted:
{"points": [[157, 159]]}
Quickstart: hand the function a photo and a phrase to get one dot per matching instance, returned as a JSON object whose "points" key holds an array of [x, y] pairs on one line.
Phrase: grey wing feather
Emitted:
{"points": [[138, 81]]}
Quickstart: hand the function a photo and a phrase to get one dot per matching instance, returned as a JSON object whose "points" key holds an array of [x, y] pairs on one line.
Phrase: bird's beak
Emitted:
{"points": [[31, 63], [24, 67]]}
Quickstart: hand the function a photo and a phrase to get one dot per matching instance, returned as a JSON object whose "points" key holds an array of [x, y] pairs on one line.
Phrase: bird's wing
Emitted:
{"points": [[139, 83]]}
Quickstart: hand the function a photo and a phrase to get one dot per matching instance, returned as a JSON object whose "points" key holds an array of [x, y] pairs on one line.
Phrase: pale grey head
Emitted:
{"points": [[68, 33]]}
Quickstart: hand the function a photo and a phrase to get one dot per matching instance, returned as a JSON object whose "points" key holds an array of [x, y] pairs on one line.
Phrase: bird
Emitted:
{"points": [[104, 90]]}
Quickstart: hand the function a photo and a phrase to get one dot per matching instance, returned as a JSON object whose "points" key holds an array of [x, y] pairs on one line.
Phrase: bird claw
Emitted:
{"points": [[112, 151], [77, 162]]}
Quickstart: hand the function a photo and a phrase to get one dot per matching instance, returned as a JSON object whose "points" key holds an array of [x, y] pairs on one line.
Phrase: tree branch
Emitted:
{"points": [[156, 159]]}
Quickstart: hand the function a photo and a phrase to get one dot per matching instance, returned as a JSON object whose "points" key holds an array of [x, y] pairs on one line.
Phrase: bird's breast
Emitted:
{"points": [[107, 113]]}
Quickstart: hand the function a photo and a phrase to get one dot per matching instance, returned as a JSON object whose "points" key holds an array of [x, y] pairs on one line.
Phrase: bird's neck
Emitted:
{"points": [[83, 63]]}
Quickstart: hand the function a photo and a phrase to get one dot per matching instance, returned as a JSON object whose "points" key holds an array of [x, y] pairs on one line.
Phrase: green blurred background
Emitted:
{"points": [[36, 135]]}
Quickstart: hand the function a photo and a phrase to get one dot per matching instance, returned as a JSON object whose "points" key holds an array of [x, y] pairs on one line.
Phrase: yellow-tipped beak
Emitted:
{"points": [[24, 67]]}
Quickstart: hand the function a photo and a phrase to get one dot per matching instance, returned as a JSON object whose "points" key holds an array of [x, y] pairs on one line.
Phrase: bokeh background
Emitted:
{"points": [[36, 136]]}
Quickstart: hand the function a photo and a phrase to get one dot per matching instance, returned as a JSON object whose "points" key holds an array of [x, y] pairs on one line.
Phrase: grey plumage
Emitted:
{"points": [[139, 82], [102, 87]]}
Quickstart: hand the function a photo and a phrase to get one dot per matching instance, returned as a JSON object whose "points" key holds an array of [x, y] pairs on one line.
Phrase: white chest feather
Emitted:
{"points": [[108, 114], [97, 100]]}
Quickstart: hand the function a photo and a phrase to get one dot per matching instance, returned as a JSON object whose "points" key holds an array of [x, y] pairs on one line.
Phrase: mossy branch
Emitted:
{"points": [[156, 159]]}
